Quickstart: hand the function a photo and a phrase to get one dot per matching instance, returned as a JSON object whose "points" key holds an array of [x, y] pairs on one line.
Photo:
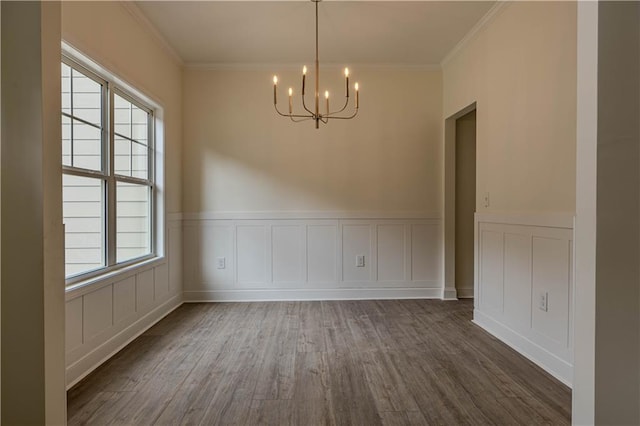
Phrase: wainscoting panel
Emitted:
{"points": [[305, 259], [97, 312], [392, 253], [491, 270], [356, 241], [426, 252], [73, 328], [124, 299], [322, 252], [524, 286], [102, 317], [144, 290], [287, 243], [251, 251]]}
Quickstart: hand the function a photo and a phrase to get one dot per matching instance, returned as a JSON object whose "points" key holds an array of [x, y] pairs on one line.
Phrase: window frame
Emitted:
{"points": [[109, 88]]}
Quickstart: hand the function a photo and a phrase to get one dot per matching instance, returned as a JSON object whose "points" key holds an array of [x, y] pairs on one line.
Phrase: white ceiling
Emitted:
{"points": [[282, 32]]}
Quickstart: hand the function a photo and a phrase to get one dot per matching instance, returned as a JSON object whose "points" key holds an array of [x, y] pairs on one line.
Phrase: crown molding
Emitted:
{"points": [[139, 16], [473, 32], [252, 66]]}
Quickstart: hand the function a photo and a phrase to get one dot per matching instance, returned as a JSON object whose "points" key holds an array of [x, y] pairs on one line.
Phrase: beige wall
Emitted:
{"points": [[113, 37], [240, 156], [521, 71]]}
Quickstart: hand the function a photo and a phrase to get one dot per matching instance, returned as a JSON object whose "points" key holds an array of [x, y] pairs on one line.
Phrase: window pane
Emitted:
{"points": [[86, 146], [139, 161], [131, 158], [133, 221], [122, 116], [130, 121], [83, 212], [66, 141], [122, 156], [139, 125], [86, 98]]}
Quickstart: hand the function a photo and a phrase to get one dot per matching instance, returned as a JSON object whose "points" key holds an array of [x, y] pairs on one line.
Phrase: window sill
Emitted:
{"points": [[92, 284]]}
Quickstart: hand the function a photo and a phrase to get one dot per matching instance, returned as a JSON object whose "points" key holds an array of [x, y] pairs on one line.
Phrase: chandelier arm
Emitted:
{"points": [[304, 105], [307, 118], [291, 115], [340, 110], [345, 118]]}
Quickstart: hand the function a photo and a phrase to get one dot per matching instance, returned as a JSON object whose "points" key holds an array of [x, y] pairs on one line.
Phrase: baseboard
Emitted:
{"points": [[261, 295], [465, 293], [449, 294], [546, 360], [92, 360]]}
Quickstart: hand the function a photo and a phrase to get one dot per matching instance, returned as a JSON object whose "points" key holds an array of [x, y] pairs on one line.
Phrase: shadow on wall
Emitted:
{"points": [[241, 156]]}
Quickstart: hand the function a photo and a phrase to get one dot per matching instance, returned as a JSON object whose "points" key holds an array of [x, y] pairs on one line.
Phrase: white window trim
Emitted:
{"points": [[158, 212]]}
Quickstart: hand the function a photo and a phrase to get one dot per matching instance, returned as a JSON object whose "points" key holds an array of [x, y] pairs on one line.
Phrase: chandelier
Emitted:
{"points": [[315, 114]]}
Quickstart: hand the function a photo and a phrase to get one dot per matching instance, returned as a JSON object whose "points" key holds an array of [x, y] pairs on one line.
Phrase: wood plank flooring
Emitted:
{"points": [[393, 362]]}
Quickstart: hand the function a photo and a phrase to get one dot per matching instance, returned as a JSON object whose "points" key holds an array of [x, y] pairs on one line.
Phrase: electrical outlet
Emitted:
{"points": [[220, 262], [543, 301], [486, 199], [360, 261]]}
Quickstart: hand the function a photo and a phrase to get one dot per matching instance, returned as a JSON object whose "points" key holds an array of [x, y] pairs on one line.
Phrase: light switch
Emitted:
{"points": [[360, 261]]}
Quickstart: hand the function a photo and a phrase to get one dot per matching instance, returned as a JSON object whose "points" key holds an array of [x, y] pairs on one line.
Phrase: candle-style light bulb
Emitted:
{"points": [[275, 89], [304, 78], [357, 96], [326, 96], [346, 76], [290, 100]]}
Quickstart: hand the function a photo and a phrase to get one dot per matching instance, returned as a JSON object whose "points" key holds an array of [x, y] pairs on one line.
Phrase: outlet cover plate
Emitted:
{"points": [[220, 262]]}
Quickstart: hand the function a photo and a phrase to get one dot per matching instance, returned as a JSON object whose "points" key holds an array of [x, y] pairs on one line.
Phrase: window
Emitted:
{"points": [[108, 174]]}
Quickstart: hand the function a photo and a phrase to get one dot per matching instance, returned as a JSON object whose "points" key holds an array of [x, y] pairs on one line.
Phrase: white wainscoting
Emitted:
{"points": [[519, 258], [280, 257], [103, 317]]}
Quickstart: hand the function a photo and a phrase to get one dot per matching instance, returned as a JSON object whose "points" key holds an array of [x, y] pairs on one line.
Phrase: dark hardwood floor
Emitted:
{"points": [[394, 362]]}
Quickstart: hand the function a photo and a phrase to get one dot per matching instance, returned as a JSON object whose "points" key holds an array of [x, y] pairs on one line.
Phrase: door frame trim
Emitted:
{"points": [[449, 291]]}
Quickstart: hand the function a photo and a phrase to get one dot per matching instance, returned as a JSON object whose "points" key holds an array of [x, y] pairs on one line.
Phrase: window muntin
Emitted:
{"points": [[108, 188]]}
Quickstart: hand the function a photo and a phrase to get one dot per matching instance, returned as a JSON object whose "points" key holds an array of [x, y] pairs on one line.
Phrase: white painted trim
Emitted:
{"points": [[145, 23], [465, 293], [549, 362], [259, 295], [449, 294], [544, 219], [473, 32], [302, 215], [89, 362], [95, 283], [274, 67]]}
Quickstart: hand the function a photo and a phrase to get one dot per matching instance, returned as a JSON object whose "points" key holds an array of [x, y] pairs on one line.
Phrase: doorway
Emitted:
{"points": [[460, 203]]}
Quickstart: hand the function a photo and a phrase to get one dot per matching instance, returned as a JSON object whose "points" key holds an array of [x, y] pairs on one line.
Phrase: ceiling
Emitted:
{"points": [[282, 32]]}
